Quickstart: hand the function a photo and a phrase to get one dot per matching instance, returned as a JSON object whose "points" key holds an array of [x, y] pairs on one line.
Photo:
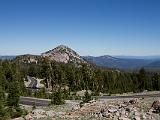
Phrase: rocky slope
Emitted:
{"points": [[28, 58], [63, 54], [106, 109]]}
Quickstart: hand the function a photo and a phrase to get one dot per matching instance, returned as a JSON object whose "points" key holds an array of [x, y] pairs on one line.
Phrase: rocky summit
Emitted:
{"points": [[63, 54]]}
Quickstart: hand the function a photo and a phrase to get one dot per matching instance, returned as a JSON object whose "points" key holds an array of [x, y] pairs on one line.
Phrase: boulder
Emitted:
{"points": [[156, 106], [128, 109], [106, 114], [133, 101]]}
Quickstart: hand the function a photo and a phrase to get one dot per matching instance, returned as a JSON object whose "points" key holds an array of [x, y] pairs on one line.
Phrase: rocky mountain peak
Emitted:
{"points": [[63, 54]]}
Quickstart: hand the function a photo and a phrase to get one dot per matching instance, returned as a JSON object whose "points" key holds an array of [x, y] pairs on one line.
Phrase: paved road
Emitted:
{"points": [[33, 83], [131, 96], [46, 102], [34, 101]]}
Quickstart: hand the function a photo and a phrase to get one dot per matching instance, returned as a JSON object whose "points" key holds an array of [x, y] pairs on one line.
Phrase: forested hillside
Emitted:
{"points": [[59, 75]]}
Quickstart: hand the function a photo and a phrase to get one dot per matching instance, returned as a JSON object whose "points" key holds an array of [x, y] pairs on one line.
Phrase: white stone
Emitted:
{"points": [[117, 114], [38, 111], [40, 116], [137, 118], [82, 93], [123, 118], [75, 108], [92, 101], [50, 113], [100, 115], [60, 113], [20, 118], [112, 110], [137, 113], [28, 117]]}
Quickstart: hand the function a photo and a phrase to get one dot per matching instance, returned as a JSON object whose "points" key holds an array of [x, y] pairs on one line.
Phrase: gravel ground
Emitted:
{"points": [[108, 109]]}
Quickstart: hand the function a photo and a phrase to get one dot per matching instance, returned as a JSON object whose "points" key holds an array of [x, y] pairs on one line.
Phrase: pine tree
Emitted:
{"points": [[2, 100], [143, 79], [13, 96]]}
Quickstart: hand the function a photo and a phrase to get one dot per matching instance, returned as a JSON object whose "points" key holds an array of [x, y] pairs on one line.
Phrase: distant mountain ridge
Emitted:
{"points": [[65, 54], [155, 64], [123, 63], [152, 57], [7, 57]]}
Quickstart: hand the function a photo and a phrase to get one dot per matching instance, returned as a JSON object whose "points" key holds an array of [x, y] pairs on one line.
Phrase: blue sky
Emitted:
{"points": [[90, 27]]}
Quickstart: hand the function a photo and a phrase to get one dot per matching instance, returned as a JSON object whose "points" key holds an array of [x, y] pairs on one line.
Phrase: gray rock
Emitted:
{"points": [[128, 110], [122, 112], [106, 114]]}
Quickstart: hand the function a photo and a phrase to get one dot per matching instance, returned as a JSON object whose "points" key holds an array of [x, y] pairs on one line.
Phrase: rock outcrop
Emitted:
{"points": [[63, 54]]}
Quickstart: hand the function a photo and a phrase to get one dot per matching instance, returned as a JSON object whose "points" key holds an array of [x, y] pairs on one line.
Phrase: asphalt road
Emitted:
{"points": [[34, 101], [33, 83], [131, 96], [46, 102]]}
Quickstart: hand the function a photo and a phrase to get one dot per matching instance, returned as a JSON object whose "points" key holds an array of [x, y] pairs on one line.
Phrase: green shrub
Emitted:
{"points": [[57, 98], [87, 97], [14, 112]]}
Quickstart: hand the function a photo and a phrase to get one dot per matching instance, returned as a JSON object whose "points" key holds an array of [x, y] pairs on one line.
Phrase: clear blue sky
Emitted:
{"points": [[91, 27]]}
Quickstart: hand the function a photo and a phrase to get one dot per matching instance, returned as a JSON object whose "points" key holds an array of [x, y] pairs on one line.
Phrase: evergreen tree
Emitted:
{"points": [[2, 100], [13, 95], [156, 81], [143, 79]]}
